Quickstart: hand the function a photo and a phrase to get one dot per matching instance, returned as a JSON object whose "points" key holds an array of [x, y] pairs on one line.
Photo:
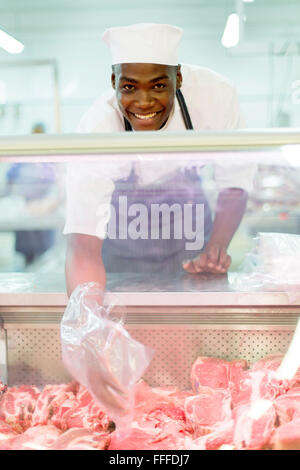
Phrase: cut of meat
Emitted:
{"points": [[222, 435], [68, 406], [216, 373], [81, 439], [288, 406], [271, 362], [17, 405], [251, 433], [86, 414], [51, 395], [208, 410], [35, 438], [159, 421], [230, 406], [287, 436], [6, 432], [257, 385]]}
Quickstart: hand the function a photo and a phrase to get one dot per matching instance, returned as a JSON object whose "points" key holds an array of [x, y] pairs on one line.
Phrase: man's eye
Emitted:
{"points": [[128, 87], [159, 86]]}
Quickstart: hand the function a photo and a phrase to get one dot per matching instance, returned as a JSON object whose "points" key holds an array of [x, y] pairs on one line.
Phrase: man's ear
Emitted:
{"points": [[178, 77], [113, 80]]}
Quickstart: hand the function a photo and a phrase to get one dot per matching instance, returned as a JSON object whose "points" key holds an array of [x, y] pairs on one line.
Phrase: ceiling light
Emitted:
{"points": [[231, 35], [10, 44]]}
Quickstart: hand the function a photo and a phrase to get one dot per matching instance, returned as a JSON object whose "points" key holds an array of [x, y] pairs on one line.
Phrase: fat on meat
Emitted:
{"points": [[260, 384], [208, 410], [17, 405], [159, 421], [51, 397], [253, 433], [81, 439], [287, 436], [34, 438], [223, 435], [288, 406], [6, 432]]}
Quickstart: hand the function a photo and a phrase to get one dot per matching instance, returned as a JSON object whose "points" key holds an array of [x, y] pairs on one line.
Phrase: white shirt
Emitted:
{"points": [[212, 104]]}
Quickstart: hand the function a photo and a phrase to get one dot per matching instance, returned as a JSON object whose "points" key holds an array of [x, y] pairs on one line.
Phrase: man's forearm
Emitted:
{"points": [[83, 266], [230, 208]]}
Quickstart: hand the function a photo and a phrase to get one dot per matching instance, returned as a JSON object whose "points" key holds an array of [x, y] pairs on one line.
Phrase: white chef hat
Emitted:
{"points": [[144, 43]]}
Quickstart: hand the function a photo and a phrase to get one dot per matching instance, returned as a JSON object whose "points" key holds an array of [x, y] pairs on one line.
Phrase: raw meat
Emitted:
{"points": [[216, 373], [87, 414], [257, 385], [253, 433], [223, 435], [159, 421], [288, 406], [6, 432], [287, 436], [223, 411], [81, 439], [69, 406], [35, 438], [50, 399], [17, 405], [271, 362], [208, 409]]}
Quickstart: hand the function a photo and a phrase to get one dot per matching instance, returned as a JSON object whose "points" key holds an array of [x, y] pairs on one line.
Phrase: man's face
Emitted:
{"points": [[146, 93]]}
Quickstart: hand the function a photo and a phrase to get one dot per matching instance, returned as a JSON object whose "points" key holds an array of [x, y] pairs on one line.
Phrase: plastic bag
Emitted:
{"points": [[99, 353], [271, 265]]}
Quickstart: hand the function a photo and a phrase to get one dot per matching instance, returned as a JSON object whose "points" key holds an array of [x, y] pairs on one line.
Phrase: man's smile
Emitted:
{"points": [[145, 117]]}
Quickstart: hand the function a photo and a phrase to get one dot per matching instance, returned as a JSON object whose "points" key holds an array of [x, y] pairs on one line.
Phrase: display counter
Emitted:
{"points": [[181, 316]]}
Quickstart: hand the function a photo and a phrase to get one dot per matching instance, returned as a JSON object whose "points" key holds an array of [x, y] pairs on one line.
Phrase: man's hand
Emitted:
{"points": [[214, 259]]}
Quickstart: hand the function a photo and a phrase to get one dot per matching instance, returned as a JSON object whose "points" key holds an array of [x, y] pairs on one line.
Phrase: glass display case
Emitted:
{"points": [[246, 313]]}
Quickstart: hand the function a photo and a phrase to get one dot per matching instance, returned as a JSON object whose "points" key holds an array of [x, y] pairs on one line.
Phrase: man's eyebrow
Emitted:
{"points": [[157, 79], [127, 79], [153, 80]]}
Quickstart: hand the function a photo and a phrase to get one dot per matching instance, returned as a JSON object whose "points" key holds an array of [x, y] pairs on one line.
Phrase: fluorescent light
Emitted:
{"points": [[231, 35], [248, 1], [10, 44]]}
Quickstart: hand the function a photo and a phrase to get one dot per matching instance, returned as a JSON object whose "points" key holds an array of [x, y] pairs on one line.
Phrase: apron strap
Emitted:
{"points": [[183, 109]]}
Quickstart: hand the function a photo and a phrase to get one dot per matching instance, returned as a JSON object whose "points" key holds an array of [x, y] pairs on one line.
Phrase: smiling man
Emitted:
{"points": [[151, 91], [146, 93]]}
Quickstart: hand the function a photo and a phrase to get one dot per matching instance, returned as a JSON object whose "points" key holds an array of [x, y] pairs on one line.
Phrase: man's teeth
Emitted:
{"points": [[145, 116]]}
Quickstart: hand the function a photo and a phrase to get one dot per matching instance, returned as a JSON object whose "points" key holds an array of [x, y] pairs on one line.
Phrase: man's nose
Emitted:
{"points": [[145, 99]]}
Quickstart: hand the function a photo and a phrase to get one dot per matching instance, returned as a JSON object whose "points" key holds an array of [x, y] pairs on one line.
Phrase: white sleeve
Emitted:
{"points": [[229, 174], [235, 171], [234, 118], [88, 198]]}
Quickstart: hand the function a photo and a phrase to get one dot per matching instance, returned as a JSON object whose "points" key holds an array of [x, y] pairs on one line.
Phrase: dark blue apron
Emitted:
{"points": [[156, 255]]}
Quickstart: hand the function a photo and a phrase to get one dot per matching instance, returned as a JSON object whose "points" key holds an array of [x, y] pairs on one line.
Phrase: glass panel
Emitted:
{"points": [[155, 212]]}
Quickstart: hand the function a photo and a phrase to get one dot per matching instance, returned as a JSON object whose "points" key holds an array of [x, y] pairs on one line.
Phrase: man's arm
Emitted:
{"points": [[84, 261], [230, 208]]}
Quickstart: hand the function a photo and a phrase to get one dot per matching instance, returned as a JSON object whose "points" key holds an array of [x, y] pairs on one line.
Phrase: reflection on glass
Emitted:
{"points": [[152, 214]]}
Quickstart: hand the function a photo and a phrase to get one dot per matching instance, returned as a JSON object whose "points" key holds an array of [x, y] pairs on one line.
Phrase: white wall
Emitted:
{"points": [[70, 33]]}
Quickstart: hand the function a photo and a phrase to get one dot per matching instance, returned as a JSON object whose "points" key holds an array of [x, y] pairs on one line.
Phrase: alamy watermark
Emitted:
{"points": [[154, 222]]}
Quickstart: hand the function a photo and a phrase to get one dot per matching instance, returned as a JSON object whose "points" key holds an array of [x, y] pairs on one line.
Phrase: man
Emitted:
{"points": [[152, 92]]}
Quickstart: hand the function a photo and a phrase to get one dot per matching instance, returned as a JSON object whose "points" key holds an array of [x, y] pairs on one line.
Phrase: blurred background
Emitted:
{"points": [[61, 65], [65, 65]]}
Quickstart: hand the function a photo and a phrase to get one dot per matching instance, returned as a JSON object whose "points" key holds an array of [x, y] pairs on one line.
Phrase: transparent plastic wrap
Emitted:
{"points": [[272, 265], [100, 354]]}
